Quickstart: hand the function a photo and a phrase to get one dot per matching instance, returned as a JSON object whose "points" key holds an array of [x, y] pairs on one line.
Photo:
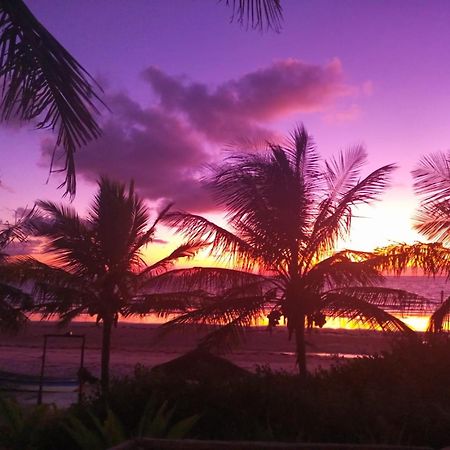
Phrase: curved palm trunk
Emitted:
{"points": [[106, 350], [300, 346]]}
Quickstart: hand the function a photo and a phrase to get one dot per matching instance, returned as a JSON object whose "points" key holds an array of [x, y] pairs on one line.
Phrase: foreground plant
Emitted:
{"points": [[20, 426], [154, 423], [97, 261], [287, 211]]}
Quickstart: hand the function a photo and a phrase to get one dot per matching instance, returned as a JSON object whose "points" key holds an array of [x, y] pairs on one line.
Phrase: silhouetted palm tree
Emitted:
{"points": [[432, 184], [98, 265], [286, 213]]}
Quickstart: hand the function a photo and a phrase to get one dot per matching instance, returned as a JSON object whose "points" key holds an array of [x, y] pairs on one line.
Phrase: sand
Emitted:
{"points": [[137, 344]]}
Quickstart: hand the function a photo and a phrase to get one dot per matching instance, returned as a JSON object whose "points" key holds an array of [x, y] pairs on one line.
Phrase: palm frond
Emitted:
{"points": [[362, 312], [433, 221], [389, 299], [342, 172], [165, 304], [344, 268], [214, 280], [119, 219], [53, 289], [440, 319], [18, 231], [42, 81], [258, 14], [433, 258], [14, 303], [231, 314], [333, 220], [225, 246], [432, 178], [68, 238], [187, 250], [226, 337]]}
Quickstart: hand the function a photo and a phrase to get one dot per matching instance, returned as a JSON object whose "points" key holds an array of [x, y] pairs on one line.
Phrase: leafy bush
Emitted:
{"points": [[399, 397]]}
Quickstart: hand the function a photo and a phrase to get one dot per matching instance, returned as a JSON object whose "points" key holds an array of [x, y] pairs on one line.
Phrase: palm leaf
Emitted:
{"points": [[345, 268], [187, 250], [433, 221], [164, 304], [433, 258], [42, 81], [432, 178], [18, 231], [440, 319], [361, 312], [257, 13], [213, 280], [225, 246], [333, 220], [389, 299], [230, 313], [13, 305]]}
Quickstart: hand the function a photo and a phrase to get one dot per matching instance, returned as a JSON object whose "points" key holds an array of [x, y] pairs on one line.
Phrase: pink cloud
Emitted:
{"points": [[242, 107]]}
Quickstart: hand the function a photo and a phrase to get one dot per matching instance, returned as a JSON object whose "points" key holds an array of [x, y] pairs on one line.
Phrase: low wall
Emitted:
{"points": [[187, 444]]}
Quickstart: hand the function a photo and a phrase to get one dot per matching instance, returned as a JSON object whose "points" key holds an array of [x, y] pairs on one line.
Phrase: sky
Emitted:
{"points": [[183, 85]]}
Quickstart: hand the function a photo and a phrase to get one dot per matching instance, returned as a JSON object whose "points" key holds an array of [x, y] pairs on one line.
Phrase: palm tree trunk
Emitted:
{"points": [[106, 350], [300, 346]]}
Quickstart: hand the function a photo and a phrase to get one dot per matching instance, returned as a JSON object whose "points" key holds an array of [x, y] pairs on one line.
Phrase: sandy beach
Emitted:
{"points": [[137, 344]]}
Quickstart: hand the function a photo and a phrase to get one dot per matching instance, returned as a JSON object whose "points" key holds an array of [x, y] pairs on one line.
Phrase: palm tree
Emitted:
{"points": [[432, 184], [98, 265], [286, 213], [13, 301]]}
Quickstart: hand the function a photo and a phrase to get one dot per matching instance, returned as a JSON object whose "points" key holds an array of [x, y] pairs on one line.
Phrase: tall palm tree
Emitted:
{"points": [[432, 184], [98, 265], [286, 213]]}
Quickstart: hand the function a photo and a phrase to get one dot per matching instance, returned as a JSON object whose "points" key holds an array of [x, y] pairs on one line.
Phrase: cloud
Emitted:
{"points": [[242, 107], [159, 152], [164, 148]]}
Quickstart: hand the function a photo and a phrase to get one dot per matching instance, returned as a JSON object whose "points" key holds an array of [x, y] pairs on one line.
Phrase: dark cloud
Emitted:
{"points": [[158, 151], [165, 148]]}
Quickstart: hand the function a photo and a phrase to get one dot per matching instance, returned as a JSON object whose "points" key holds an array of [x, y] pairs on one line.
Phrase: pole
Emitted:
{"points": [[41, 379], [80, 381]]}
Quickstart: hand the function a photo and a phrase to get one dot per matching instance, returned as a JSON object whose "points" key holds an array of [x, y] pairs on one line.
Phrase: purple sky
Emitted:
{"points": [[183, 84]]}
